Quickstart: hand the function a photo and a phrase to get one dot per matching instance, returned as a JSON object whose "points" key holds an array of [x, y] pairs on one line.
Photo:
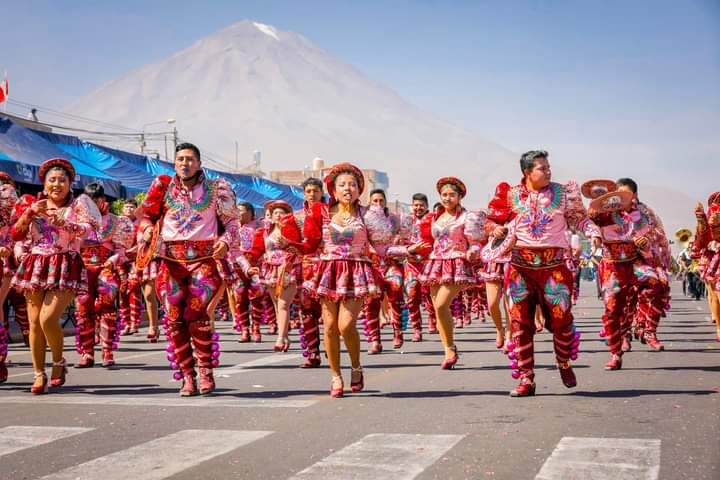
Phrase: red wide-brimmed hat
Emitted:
{"points": [[273, 204], [456, 182], [57, 162], [499, 207], [714, 198], [7, 178], [612, 202], [341, 168], [595, 188]]}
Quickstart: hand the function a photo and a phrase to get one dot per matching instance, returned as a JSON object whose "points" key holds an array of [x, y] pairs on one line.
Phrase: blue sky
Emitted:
{"points": [[631, 80]]}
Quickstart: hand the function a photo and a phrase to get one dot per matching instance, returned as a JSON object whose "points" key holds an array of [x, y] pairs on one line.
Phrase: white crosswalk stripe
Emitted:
{"points": [[396, 456], [162, 457], [603, 459], [252, 364], [146, 401], [15, 438]]}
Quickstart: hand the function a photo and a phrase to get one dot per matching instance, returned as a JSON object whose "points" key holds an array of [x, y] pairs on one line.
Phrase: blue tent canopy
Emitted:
{"points": [[24, 147]]}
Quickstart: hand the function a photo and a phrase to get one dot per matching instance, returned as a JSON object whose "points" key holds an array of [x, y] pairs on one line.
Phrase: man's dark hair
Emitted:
{"points": [[628, 182], [312, 181], [249, 207], [94, 190], [131, 201], [436, 206], [527, 161], [188, 146], [380, 191], [420, 197]]}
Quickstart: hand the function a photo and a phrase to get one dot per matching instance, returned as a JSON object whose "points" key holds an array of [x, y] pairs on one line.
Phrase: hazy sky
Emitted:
{"points": [[624, 85]]}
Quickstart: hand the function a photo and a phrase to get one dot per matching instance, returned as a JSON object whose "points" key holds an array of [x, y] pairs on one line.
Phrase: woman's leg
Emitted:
{"points": [[442, 296], [347, 317], [151, 306], [53, 306], [494, 297], [37, 337], [331, 337], [282, 311]]}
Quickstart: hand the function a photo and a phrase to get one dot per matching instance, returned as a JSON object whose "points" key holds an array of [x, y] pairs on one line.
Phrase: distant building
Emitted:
{"points": [[373, 178]]}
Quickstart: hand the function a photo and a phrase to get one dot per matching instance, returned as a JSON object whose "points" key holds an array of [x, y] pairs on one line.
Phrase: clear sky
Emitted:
{"points": [[631, 80]]}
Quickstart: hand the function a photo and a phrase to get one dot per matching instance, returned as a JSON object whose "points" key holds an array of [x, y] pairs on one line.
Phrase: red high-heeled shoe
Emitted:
{"points": [[59, 379], [356, 387], [449, 363], [284, 347], [43, 387], [336, 392], [153, 335]]}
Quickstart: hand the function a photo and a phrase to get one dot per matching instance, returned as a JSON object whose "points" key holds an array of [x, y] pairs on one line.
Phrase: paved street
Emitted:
{"points": [[659, 417]]}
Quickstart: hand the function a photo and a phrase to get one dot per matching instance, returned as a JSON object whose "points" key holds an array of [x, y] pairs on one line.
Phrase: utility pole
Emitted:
{"points": [[166, 152], [175, 137], [142, 143]]}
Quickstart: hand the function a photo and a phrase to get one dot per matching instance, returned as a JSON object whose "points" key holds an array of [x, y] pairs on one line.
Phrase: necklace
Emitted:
{"points": [[555, 194], [200, 205]]}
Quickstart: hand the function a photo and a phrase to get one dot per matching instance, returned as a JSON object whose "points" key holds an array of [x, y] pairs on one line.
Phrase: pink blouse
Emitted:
{"points": [[459, 236], [542, 218]]}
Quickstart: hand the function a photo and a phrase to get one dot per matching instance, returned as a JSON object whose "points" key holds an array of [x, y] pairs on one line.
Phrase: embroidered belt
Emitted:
{"points": [[618, 252], [542, 257], [95, 255], [185, 251]]}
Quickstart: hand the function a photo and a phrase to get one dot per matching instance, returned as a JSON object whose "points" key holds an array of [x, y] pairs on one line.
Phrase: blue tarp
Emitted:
{"points": [[24, 147]]}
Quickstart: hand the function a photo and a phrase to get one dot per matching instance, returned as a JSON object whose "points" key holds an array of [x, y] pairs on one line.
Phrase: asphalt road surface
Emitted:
{"points": [[659, 417]]}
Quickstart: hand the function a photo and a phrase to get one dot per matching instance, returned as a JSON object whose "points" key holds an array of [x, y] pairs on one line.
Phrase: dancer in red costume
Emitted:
{"points": [[538, 276], [8, 199], [309, 304], [388, 235], [279, 245], [182, 217], [625, 265], [245, 291], [455, 235], [417, 293], [499, 214], [52, 272], [649, 308], [129, 297], [706, 248], [103, 254], [344, 276]]}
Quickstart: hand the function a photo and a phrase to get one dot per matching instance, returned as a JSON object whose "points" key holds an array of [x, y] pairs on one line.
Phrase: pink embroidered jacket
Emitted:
{"points": [[460, 236], [542, 218], [8, 199], [116, 234], [79, 218]]}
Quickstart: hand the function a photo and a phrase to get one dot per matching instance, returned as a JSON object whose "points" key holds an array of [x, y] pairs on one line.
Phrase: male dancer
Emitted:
{"points": [[186, 212], [538, 275], [417, 293]]}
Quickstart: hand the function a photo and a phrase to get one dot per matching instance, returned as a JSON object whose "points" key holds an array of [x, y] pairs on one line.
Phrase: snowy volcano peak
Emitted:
{"points": [[267, 30]]}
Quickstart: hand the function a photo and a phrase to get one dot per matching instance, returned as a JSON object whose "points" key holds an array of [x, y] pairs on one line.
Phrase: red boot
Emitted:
{"points": [[626, 344], [567, 375], [207, 381], [615, 363], [87, 360], [417, 336], [188, 388], [653, 342], [375, 348], [526, 388], [312, 361], [3, 371], [108, 359], [398, 339]]}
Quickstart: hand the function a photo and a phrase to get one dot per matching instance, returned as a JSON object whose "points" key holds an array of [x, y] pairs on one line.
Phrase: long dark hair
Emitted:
{"points": [[70, 196]]}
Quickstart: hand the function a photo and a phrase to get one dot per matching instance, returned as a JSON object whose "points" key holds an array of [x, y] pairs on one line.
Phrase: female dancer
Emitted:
{"points": [[51, 273], [498, 215], [456, 235], [387, 232], [279, 243], [706, 247], [8, 199], [344, 275]]}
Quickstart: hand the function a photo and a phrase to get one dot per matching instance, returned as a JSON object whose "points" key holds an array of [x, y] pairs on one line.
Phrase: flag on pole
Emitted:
{"points": [[4, 92]]}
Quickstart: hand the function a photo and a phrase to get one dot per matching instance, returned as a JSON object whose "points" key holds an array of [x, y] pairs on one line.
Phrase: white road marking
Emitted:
{"points": [[259, 362], [145, 401], [16, 438], [603, 458], [162, 457], [396, 456]]}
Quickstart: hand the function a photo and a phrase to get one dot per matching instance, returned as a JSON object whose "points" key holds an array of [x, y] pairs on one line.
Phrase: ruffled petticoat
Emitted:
{"points": [[344, 279], [451, 271], [63, 271]]}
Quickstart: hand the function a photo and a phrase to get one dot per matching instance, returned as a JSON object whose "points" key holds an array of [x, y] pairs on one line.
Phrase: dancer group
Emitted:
{"points": [[331, 266]]}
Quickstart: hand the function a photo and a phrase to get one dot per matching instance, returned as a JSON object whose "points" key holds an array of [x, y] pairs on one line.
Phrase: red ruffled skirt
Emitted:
{"points": [[270, 275], [344, 279], [453, 271], [493, 272], [62, 271]]}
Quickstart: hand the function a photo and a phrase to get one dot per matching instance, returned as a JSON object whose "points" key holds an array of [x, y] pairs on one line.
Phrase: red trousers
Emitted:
{"points": [[186, 290], [417, 294], [392, 287], [549, 289], [96, 308]]}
